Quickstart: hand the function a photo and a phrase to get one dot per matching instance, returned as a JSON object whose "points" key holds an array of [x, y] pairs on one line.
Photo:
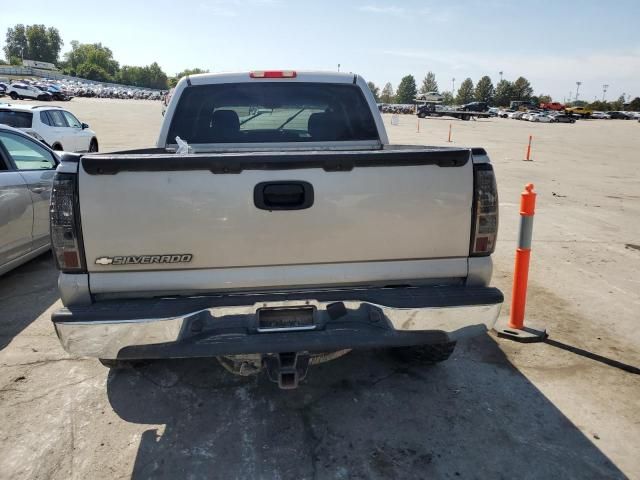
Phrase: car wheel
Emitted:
{"points": [[13, 95], [93, 146], [57, 147], [435, 353]]}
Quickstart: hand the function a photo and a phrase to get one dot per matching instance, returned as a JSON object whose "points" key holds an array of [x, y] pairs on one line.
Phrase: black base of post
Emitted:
{"points": [[524, 335]]}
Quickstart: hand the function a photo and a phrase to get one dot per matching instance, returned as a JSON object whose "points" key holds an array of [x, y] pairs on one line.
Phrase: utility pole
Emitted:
{"points": [[578, 89], [604, 91], [500, 72], [453, 86]]}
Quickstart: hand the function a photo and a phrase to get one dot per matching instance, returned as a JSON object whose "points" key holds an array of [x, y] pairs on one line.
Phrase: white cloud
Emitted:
{"points": [[385, 10], [232, 8]]}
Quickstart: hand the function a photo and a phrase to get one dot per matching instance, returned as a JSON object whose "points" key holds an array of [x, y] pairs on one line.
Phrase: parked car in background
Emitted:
{"points": [[505, 113], [582, 111], [3, 88], [563, 118], [552, 106], [54, 126], [27, 168], [22, 90], [600, 115], [429, 97], [619, 116], [540, 117], [56, 93], [494, 111], [475, 107]]}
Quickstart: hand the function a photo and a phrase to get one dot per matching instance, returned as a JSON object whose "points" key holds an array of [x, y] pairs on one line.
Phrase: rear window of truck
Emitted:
{"points": [[16, 119], [268, 112]]}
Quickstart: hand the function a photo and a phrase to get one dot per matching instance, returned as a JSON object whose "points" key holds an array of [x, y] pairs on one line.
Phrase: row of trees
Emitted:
{"points": [[483, 91], [92, 61]]}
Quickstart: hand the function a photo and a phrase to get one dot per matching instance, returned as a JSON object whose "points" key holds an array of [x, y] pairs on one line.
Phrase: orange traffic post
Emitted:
{"points": [[449, 134], [516, 329], [528, 157]]}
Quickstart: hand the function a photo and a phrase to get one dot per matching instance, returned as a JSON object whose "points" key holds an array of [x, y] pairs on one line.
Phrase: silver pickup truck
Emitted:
{"points": [[273, 227]]}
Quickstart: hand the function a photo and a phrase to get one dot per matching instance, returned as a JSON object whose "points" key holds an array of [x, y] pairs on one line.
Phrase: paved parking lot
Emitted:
{"points": [[495, 410]]}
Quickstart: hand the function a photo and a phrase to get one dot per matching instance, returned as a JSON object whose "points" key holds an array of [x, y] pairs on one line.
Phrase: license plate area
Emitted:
{"points": [[286, 319]]}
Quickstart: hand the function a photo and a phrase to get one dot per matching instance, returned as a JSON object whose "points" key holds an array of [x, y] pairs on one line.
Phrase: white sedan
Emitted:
{"points": [[540, 117]]}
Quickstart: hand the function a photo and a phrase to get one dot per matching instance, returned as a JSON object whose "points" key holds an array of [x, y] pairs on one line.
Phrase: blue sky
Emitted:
{"points": [[552, 43]]}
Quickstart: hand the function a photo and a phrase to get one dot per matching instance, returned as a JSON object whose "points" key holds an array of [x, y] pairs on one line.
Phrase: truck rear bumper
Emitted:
{"points": [[229, 324]]}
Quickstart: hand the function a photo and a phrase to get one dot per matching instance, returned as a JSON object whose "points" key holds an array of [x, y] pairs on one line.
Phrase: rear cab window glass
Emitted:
{"points": [[272, 112], [16, 119]]}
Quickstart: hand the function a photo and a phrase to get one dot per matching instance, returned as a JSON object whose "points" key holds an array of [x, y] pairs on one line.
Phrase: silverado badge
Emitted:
{"points": [[144, 259]]}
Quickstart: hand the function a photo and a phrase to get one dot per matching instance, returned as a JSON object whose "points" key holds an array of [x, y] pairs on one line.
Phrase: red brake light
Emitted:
{"points": [[484, 228], [273, 74]]}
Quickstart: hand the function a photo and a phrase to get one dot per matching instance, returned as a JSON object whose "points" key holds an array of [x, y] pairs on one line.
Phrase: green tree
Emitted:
{"points": [[407, 90], [375, 90], [33, 42], [91, 54], [484, 90], [387, 95], [503, 93], [429, 83], [173, 81], [544, 99], [634, 105], [465, 92], [447, 98], [522, 89], [150, 76], [91, 71]]}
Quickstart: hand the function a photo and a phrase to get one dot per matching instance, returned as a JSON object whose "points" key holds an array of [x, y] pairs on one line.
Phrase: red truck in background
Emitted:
{"points": [[552, 106]]}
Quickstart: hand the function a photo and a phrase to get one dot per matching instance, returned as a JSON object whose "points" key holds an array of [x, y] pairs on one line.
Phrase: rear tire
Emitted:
{"points": [[436, 353]]}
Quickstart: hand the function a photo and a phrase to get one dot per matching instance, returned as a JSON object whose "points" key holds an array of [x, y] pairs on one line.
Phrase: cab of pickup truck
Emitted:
{"points": [[273, 226]]}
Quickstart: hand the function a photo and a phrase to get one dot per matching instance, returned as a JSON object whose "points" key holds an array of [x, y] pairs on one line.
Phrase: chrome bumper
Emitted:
{"points": [[207, 326]]}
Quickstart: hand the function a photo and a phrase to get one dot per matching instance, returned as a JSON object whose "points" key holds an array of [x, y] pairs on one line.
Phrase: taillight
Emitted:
{"points": [[64, 217], [273, 74], [484, 228]]}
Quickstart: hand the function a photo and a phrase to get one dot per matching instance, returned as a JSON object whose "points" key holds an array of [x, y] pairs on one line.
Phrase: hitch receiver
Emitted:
{"points": [[287, 369]]}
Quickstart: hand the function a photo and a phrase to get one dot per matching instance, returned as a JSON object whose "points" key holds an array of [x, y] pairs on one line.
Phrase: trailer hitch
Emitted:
{"points": [[287, 369]]}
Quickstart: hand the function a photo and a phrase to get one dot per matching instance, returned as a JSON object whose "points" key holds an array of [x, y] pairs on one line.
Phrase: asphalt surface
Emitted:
{"points": [[496, 409]]}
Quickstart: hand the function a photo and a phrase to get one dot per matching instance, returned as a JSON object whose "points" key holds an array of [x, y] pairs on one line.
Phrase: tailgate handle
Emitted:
{"points": [[283, 195]]}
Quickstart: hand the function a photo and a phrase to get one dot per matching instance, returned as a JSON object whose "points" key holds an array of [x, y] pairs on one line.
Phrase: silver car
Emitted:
{"points": [[26, 174]]}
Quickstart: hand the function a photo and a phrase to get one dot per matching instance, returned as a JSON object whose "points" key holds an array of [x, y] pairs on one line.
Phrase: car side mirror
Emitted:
{"points": [[85, 125]]}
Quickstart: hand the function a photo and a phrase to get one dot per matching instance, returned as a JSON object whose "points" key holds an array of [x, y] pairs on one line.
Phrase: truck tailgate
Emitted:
{"points": [[231, 210]]}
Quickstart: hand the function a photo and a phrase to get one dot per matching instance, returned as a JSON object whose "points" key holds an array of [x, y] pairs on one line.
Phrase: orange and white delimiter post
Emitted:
{"points": [[523, 254]]}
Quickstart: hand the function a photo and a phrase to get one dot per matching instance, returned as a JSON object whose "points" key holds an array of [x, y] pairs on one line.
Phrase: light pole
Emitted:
{"points": [[338, 67], [604, 91], [578, 89], [500, 72], [453, 86]]}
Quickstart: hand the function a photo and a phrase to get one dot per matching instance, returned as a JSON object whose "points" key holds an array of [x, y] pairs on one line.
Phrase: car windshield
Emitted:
{"points": [[16, 119], [272, 112]]}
